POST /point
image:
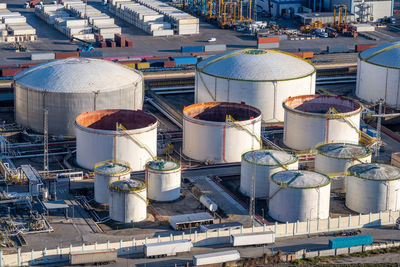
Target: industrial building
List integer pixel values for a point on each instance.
(378, 75)
(373, 187)
(217, 132)
(128, 201)
(364, 11)
(68, 87)
(163, 180)
(314, 119)
(257, 77)
(122, 135)
(261, 164)
(299, 196)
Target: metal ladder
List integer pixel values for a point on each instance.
(121, 128)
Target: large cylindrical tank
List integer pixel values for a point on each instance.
(106, 172)
(163, 180)
(264, 163)
(299, 195)
(68, 87)
(334, 159)
(97, 137)
(220, 131)
(378, 74)
(314, 119)
(373, 187)
(128, 201)
(259, 77)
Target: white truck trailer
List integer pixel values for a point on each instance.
(251, 239)
(169, 248)
(93, 256)
(216, 257)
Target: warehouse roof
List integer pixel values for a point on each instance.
(78, 75)
(256, 65)
(386, 55)
(300, 179)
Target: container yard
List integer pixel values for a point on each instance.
(148, 133)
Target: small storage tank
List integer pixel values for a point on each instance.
(106, 172)
(163, 180)
(98, 139)
(313, 119)
(299, 195)
(334, 159)
(264, 163)
(373, 187)
(128, 202)
(220, 131)
(208, 203)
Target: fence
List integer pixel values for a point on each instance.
(218, 236)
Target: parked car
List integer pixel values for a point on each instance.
(213, 39)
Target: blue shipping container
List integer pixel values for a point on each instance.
(352, 241)
(185, 60)
(372, 132)
(191, 49)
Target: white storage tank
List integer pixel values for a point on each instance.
(333, 159)
(163, 180)
(378, 74)
(210, 134)
(259, 77)
(264, 162)
(68, 87)
(106, 172)
(97, 137)
(128, 202)
(314, 119)
(299, 196)
(373, 187)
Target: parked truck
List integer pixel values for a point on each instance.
(252, 239)
(216, 257)
(169, 248)
(93, 256)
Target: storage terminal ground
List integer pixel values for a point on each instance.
(197, 147)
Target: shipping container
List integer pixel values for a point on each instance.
(299, 54)
(185, 60)
(351, 241)
(131, 65)
(169, 64)
(216, 257)
(169, 248)
(215, 48)
(128, 43)
(143, 65)
(267, 45)
(252, 239)
(362, 47)
(308, 54)
(337, 49)
(94, 54)
(10, 72)
(190, 49)
(43, 56)
(267, 40)
(60, 55)
(93, 256)
(103, 44)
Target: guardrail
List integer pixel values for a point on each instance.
(219, 236)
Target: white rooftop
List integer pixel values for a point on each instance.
(375, 171)
(300, 179)
(387, 55)
(269, 157)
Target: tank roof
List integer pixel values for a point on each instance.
(256, 65)
(112, 168)
(322, 105)
(300, 179)
(163, 165)
(375, 171)
(218, 111)
(343, 150)
(269, 157)
(78, 75)
(107, 119)
(386, 55)
(127, 186)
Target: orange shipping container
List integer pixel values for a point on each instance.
(61, 55)
(267, 40)
(308, 54)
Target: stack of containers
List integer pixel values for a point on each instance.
(142, 17)
(13, 27)
(268, 42)
(183, 23)
(49, 13)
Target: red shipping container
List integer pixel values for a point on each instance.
(7, 66)
(362, 47)
(129, 61)
(299, 54)
(27, 65)
(103, 44)
(159, 57)
(60, 55)
(169, 64)
(98, 37)
(10, 72)
(128, 43)
(113, 44)
(267, 40)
